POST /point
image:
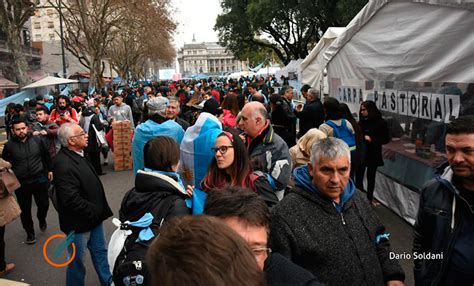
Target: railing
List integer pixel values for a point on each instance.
(25, 49)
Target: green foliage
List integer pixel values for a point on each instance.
(287, 27)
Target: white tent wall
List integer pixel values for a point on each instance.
(291, 67)
(311, 69)
(415, 59)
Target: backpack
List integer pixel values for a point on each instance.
(344, 133)
(131, 268)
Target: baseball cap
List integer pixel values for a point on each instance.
(157, 104)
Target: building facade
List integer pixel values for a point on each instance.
(208, 58)
(45, 23)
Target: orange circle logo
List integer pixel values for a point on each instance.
(64, 244)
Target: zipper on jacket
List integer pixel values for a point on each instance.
(342, 219)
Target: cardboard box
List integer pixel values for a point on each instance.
(123, 166)
(122, 148)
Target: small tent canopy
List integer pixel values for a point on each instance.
(290, 67)
(237, 75)
(7, 84)
(267, 70)
(49, 80)
(311, 69)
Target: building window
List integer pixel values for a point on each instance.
(194, 52)
(50, 24)
(51, 36)
(38, 38)
(233, 68)
(217, 69)
(38, 13)
(212, 69)
(26, 38)
(189, 52)
(36, 25)
(50, 12)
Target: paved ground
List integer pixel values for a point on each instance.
(32, 268)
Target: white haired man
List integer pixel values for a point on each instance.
(326, 226)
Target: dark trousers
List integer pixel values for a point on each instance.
(94, 159)
(371, 171)
(24, 196)
(2, 248)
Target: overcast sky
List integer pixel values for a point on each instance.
(195, 17)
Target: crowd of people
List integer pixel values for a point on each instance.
(234, 184)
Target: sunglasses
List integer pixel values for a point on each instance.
(222, 149)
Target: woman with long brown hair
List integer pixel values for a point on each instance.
(230, 166)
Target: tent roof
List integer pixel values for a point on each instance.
(373, 7)
(7, 84)
(49, 80)
(312, 67)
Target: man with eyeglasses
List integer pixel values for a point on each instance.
(82, 205)
(247, 214)
(32, 165)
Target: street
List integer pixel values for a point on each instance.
(32, 268)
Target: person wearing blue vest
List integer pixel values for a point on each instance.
(156, 125)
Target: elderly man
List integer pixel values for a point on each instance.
(329, 228)
(444, 228)
(268, 152)
(157, 124)
(82, 205)
(312, 114)
(172, 112)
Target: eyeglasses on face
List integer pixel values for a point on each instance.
(222, 149)
(78, 135)
(259, 251)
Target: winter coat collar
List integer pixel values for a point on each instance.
(172, 181)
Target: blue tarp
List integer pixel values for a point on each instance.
(18, 98)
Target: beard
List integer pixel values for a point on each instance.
(62, 107)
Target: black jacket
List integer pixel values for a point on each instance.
(279, 271)
(150, 190)
(311, 116)
(284, 122)
(378, 131)
(81, 197)
(30, 160)
(433, 232)
(92, 144)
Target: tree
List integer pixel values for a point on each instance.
(90, 26)
(13, 16)
(145, 35)
(288, 27)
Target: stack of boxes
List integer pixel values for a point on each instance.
(122, 145)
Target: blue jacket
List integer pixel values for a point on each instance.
(148, 130)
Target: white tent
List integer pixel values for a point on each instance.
(49, 80)
(311, 69)
(414, 59)
(267, 71)
(237, 75)
(291, 67)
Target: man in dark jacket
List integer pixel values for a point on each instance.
(443, 249)
(268, 153)
(328, 227)
(82, 205)
(31, 163)
(312, 114)
(247, 214)
(46, 129)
